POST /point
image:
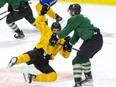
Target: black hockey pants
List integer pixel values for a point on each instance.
(39, 61)
(89, 48)
(16, 15)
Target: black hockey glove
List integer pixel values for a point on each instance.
(9, 8)
(47, 56)
(67, 39)
(58, 18)
(45, 8)
(67, 46)
(53, 40)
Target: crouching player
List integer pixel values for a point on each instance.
(44, 51)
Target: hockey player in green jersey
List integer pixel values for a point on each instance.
(18, 9)
(92, 42)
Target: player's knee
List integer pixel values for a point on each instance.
(76, 60)
(79, 60)
(8, 20)
(52, 76)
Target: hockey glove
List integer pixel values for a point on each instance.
(67, 39)
(53, 40)
(47, 56)
(58, 18)
(45, 8)
(67, 46)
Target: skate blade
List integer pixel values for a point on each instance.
(88, 84)
(25, 75)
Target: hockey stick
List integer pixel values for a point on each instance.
(3, 12)
(3, 17)
(72, 47)
(75, 49)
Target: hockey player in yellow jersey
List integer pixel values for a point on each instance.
(47, 4)
(46, 49)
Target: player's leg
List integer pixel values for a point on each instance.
(48, 74)
(28, 57)
(77, 71)
(10, 20)
(23, 58)
(87, 50)
(87, 72)
(29, 16)
(82, 57)
(80, 64)
(50, 77)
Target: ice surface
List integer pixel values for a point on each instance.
(103, 63)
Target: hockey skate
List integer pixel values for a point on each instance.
(88, 81)
(19, 35)
(29, 77)
(12, 62)
(77, 85)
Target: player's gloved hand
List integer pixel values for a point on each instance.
(45, 8)
(53, 40)
(9, 7)
(67, 46)
(58, 18)
(47, 56)
(67, 39)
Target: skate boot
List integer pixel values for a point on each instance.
(88, 79)
(19, 35)
(77, 85)
(29, 77)
(12, 62)
(58, 18)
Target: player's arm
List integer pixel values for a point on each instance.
(40, 23)
(67, 29)
(66, 47)
(41, 20)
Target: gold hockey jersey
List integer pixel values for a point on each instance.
(46, 33)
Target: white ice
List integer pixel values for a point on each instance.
(103, 63)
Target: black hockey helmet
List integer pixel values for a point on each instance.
(75, 8)
(56, 25)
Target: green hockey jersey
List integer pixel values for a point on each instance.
(14, 3)
(81, 26)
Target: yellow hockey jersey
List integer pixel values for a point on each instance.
(46, 33)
